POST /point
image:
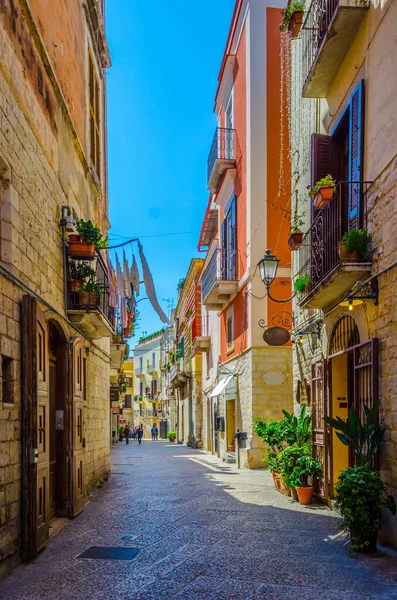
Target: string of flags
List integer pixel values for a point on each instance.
(124, 287)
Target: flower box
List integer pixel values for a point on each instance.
(295, 23)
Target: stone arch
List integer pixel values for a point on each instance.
(345, 334)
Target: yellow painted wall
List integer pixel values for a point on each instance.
(339, 396)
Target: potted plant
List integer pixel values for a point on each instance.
(354, 245)
(293, 18)
(89, 238)
(360, 496)
(296, 236)
(302, 284)
(89, 293)
(323, 192)
(121, 433)
(171, 435)
(301, 478)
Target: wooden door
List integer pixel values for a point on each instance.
(35, 428)
(77, 435)
(322, 440)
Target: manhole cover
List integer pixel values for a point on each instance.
(107, 553)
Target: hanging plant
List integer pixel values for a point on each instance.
(296, 235)
(293, 18)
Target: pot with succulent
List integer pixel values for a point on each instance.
(361, 493)
(296, 235)
(293, 18)
(301, 478)
(322, 192)
(171, 435)
(89, 238)
(302, 284)
(354, 245)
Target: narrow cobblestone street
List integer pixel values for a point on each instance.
(205, 530)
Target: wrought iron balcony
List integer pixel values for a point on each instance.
(139, 372)
(88, 297)
(221, 157)
(328, 32)
(220, 279)
(318, 256)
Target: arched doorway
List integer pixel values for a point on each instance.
(347, 377)
(58, 422)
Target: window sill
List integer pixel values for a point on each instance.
(229, 351)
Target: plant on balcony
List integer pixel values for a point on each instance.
(293, 18)
(354, 245)
(171, 435)
(323, 192)
(89, 293)
(301, 478)
(89, 238)
(78, 273)
(296, 235)
(302, 284)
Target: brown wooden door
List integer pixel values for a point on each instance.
(321, 394)
(77, 435)
(36, 426)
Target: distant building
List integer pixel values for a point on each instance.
(147, 382)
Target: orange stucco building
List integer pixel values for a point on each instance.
(247, 214)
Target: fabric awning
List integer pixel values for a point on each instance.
(218, 389)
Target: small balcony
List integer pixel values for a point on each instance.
(328, 33)
(220, 279)
(318, 257)
(221, 157)
(88, 297)
(177, 373)
(140, 372)
(151, 369)
(202, 343)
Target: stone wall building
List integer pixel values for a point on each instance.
(54, 366)
(147, 383)
(167, 401)
(247, 213)
(342, 117)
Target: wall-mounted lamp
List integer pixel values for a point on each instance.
(366, 291)
(297, 337)
(267, 266)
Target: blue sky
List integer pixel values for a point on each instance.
(161, 86)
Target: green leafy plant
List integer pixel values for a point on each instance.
(88, 232)
(287, 461)
(301, 283)
(305, 469)
(80, 271)
(298, 429)
(297, 222)
(90, 286)
(171, 435)
(272, 434)
(288, 12)
(327, 181)
(364, 438)
(360, 496)
(357, 239)
(121, 432)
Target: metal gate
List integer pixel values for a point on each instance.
(322, 439)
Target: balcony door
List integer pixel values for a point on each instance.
(229, 243)
(229, 125)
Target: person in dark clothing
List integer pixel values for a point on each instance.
(154, 433)
(139, 434)
(157, 433)
(127, 433)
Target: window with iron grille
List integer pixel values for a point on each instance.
(128, 401)
(94, 117)
(154, 388)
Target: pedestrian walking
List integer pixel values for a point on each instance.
(140, 434)
(153, 430)
(127, 433)
(134, 433)
(157, 433)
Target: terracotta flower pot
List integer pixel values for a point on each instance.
(74, 237)
(74, 285)
(172, 440)
(345, 255)
(305, 494)
(323, 197)
(295, 240)
(82, 250)
(230, 448)
(89, 298)
(295, 23)
(277, 480)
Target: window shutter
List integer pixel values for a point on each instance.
(321, 160)
(356, 134)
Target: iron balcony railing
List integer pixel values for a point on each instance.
(222, 266)
(318, 254)
(318, 19)
(94, 296)
(222, 148)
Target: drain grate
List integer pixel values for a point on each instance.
(107, 553)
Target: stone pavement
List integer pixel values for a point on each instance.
(206, 531)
